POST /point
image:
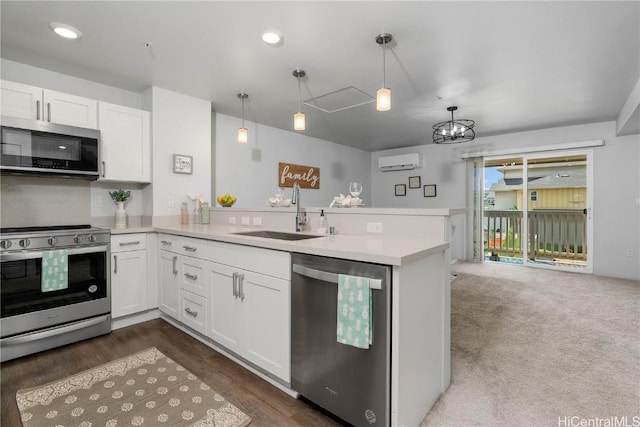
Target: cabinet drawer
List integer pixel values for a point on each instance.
(259, 260)
(128, 242)
(194, 275)
(193, 311)
(169, 242)
(193, 247)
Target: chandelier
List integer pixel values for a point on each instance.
(453, 131)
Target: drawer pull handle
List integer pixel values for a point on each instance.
(191, 313)
(190, 248)
(166, 242)
(191, 276)
(133, 242)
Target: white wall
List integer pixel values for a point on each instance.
(616, 213)
(180, 124)
(22, 73)
(250, 171)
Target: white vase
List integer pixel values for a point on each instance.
(121, 216)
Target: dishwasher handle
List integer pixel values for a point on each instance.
(326, 276)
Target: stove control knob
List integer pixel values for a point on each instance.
(24, 242)
(52, 240)
(77, 238)
(5, 244)
(92, 238)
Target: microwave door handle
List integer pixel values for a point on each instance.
(325, 276)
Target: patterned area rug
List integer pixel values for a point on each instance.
(144, 389)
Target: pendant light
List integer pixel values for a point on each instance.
(243, 133)
(383, 95)
(299, 120)
(453, 131)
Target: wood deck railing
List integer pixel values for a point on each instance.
(553, 234)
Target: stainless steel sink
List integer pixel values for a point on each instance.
(279, 235)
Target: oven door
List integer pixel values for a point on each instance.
(24, 305)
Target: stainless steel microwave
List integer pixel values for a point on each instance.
(35, 147)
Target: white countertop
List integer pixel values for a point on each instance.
(359, 248)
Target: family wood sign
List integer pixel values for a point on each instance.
(307, 176)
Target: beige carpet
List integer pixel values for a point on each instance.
(144, 389)
(534, 347)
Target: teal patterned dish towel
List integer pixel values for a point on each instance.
(55, 270)
(354, 311)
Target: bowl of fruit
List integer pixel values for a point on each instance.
(226, 201)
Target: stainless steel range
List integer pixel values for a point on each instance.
(54, 288)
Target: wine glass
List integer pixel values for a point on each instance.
(355, 188)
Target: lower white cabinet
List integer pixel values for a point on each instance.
(128, 274)
(193, 311)
(250, 314)
(168, 283)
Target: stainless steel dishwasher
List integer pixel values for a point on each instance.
(351, 383)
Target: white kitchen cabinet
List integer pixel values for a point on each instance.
(168, 283)
(31, 102)
(250, 311)
(125, 143)
(193, 311)
(128, 274)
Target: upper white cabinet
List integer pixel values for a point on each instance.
(125, 143)
(31, 102)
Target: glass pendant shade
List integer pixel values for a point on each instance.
(299, 121)
(243, 135)
(243, 132)
(383, 99)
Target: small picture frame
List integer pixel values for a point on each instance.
(414, 182)
(401, 189)
(182, 164)
(430, 190)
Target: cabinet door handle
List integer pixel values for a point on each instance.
(191, 276)
(241, 286)
(115, 264)
(104, 168)
(48, 111)
(133, 242)
(38, 110)
(235, 283)
(190, 312)
(175, 260)
(190, 248)
(166, 242)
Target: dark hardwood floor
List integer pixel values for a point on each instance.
(264, 403)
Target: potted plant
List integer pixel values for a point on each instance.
(120, 197)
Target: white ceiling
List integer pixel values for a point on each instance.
(510, 66)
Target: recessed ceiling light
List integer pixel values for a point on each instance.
(66, 31)
(271, 38)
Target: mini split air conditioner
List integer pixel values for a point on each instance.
(400, 162)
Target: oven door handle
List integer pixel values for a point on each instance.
(18, 256)
(51, 332)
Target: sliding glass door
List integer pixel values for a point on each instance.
(536, 210)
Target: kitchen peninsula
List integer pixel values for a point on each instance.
(198, 265)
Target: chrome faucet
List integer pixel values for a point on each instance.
(301, 217)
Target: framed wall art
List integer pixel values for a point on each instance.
(430, 190)
(182, 164)
(414, 182)
(401, 189)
